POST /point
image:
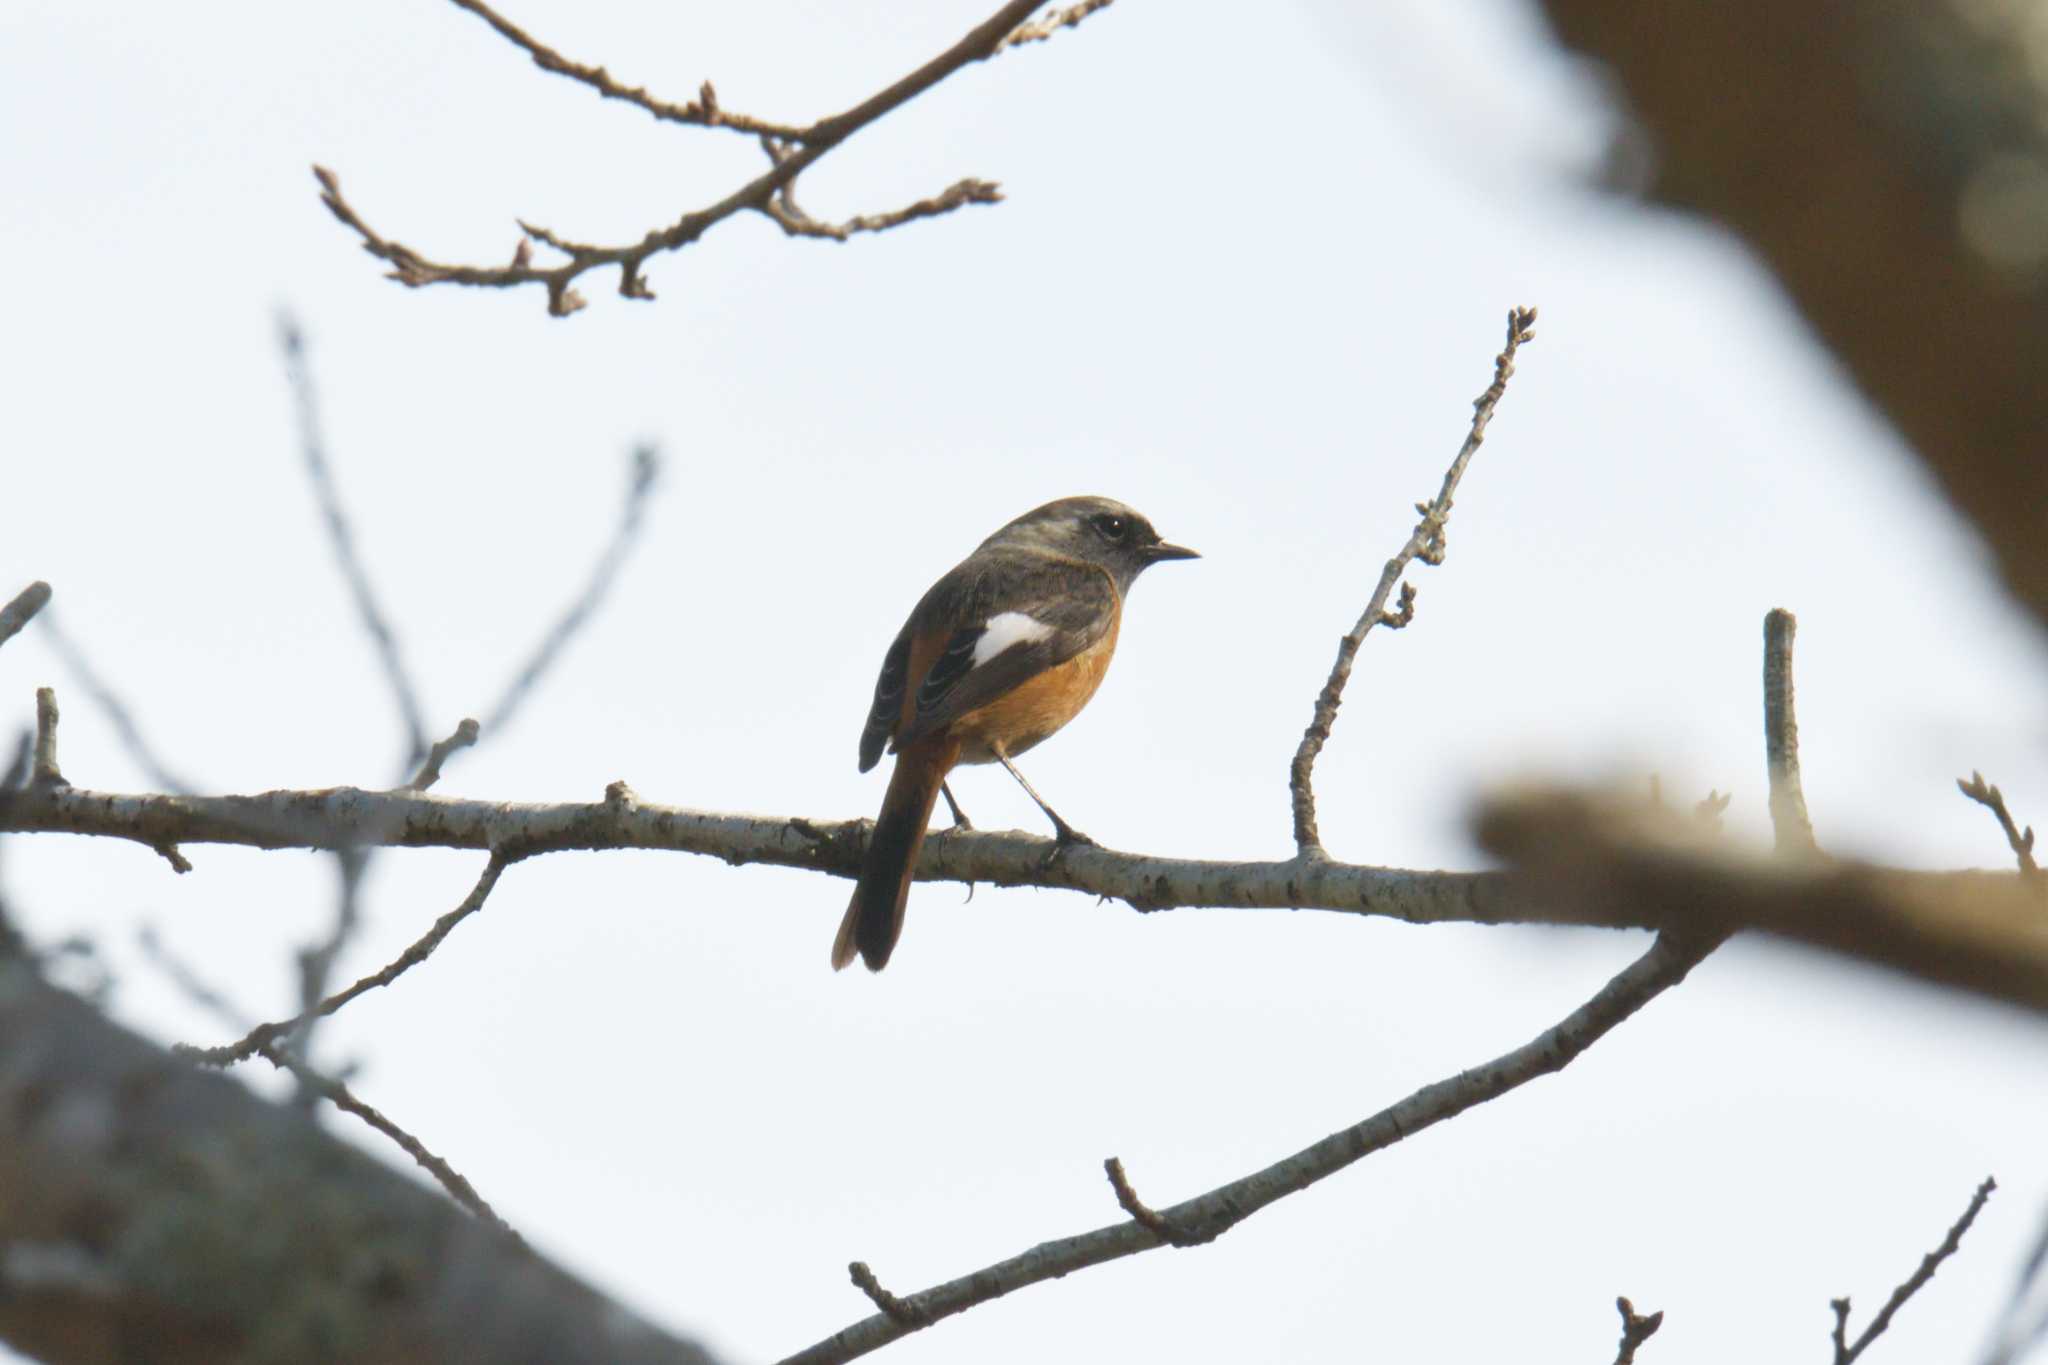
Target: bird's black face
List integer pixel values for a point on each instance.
(1099, 530)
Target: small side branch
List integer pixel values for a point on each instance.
(263, 1035)
(1635, 1330)
(896, 1309)
(1427, 544)
(23, 609)
(341, 1097)
(1846, 1352)
(43, 772)
(1794, 831)
(1145, 1216)
(1993, 800)
(465, 735)
(1038, 30)
(702, 112)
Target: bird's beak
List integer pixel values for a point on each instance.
(1165, 551)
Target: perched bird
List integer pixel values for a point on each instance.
(999, 654)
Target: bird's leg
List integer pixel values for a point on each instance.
(960, 820)
(1064, 834)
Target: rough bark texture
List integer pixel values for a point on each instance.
(151, 1211)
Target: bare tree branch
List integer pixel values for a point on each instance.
(1426, 544)
(1209, 1215)
(1635, 1330)
(43, 773)
(1993, 800)
(23, 609)
(1845, 1352)
(1038, 30)
(805, 146)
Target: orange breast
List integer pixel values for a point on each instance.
(1036, 707)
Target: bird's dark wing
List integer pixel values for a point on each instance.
(1016, 617)
(887, 711)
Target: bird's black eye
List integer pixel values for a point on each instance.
(1111, 526)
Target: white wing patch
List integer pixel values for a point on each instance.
(1004, 630)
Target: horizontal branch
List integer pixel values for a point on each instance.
(348, 817)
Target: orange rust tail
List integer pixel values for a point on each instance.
(874, 917)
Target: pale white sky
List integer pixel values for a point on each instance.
(1253, 267)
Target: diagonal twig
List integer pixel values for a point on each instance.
(113, 708)
(263, 1035)
(22, 609)
(341, 1097)
(1846, 1352)
(1635, 1330)
(644, 472)
(1426, 543)
(1209, 1215)
(341, 535)
(1993, 800)
(702, 112)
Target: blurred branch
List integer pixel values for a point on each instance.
(1790, 824)
(116, 711)
(801, 148)
(156, 1211)
(23, 609)
(1635, 1330)
(1597, 857)
(341, 535)
(1846, 1353)
(1209, 1215)
(1426, 544)
(1993, 800)
(644, 471)
(1889, 162)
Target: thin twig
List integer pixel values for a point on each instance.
(23, 609)
(1845, 1353)
(702, 112)
(1038, 30)
(1426, 543)
(783, 210)
(806, 146)
(1789, 821)
(43, 772)
(465, 735)
(644, 471)
(188, 981)
(263, 1035)
(343, 1098)
(1993, 800)
(1208, 1215)
(341, 535)
(1635, 1330)
(1143, 1214)
(898, 1311)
